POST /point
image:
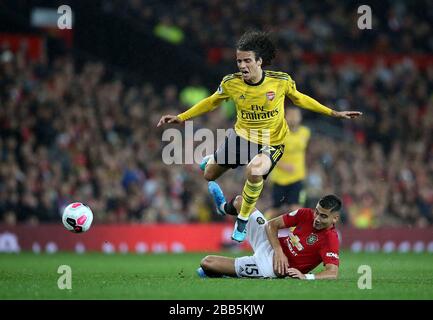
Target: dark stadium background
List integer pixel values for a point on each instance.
(79, 108)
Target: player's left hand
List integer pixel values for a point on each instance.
(347, 114)
(295, 273)
(168, 119)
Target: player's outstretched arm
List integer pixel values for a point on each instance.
(306, 102)
(330, 272)
(204, 106)
(280, 261)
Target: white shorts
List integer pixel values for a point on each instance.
(259, 265)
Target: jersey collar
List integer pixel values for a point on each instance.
(258, 83)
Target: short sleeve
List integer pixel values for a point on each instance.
(330, 250)
(222, 91)
(290, 87)
(293, 218)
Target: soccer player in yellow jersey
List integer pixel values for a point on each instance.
(260, 128)
(289, 173)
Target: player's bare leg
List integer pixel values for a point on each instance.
(212, 170)
(237, 203)
(218, 266)
(256, 169)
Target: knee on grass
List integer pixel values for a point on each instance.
(208, 263)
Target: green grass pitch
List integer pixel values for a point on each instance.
(172, 276)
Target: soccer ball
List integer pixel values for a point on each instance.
(77, 217)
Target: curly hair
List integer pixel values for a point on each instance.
(260, 43)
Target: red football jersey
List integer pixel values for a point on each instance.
(307, 247)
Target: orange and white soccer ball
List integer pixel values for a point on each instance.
(77, 217)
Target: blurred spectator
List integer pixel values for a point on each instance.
(193, 93)
(169, 32)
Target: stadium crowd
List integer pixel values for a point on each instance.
(69, 135)
(80, 134)
(214, 26)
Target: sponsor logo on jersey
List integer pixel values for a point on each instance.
(289, 245)
(242, 97)
(312, 239)
(295, 242)
(270, 95)
(332, 255)
(260, 220)
(267, 149)
(246, 115)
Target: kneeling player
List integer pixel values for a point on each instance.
(278, 250)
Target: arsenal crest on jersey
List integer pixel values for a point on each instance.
(312, 239)
(270, 95)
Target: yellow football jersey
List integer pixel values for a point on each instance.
(294, 155)
(260, 106)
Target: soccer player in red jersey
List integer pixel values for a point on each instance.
(290, 245)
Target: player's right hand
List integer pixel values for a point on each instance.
(281, 264)
(346, 114)
(168, 119)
